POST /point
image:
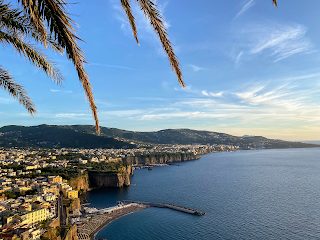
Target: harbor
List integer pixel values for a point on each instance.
(99, 218)
(165, 205)
(96, 220)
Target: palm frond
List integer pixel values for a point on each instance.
(60, 26)
(156, 20)
(275, 3)
(31, 10)
(13, 19)
(16, 90)
(34, 55)
(127, 9)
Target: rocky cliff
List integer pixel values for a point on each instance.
(72, 233)
(71, 204)
(80, 183)
(161, 158)
(116, 179)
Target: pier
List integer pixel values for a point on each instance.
(166, 205)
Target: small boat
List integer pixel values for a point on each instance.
(150, 168)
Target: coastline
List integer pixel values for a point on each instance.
(105, 219)
(119, 213)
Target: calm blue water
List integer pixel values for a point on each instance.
(262, 194)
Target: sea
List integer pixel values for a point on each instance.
(255, 194)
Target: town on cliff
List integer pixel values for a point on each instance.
(40, 188)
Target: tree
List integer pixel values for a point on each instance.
(47, 23)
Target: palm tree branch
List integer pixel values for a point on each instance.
(13, 19)
(34, 55)
(275, 2)
(16, 90)
(60, 26)
(156, 20)
(127, 9)
(36, 21)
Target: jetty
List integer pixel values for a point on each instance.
(165, 205)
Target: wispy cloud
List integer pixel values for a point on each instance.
(69, 115)
(219, 94)
(57, 90)
(6, 100)
(245, 8)
(196, 68)
(205, 93)
(238, 58)
(111, 66)
(279, 41)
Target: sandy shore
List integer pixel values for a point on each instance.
(105, 219)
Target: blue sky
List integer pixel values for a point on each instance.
(249, 68)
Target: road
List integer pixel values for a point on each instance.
(62, 214)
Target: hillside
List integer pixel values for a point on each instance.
(83, 136)
(53, 136)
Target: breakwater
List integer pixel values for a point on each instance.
(165, 205)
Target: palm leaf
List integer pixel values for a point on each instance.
(35, 20)
(13, 20)
(34, 55)
(127, 9)
(60, 26)
(275, 2)
(16, 90)
(156, 20)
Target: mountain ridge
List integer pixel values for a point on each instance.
(84, 136)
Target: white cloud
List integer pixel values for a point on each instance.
(196, 68)
(188, 115)
(122, 113)
(111, 66)
(245, 8)
(272, 41)
(205, 93)
(57, 90)
(69, 115)
(219, 94)
(279, 41)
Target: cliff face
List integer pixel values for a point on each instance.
(118, 179)
(161, 159)
(51, 234)
(71, 204)
(72, 233)
(81, 182)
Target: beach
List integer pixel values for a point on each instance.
(89, 229)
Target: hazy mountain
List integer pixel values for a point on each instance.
(84, 136)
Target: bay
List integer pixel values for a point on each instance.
(260, 194)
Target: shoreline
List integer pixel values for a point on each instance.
(98, 221)
(94, 234)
